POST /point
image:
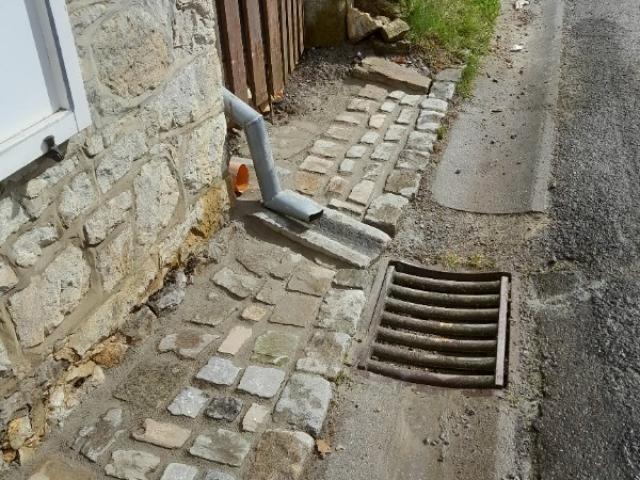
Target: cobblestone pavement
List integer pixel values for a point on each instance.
(236, 380)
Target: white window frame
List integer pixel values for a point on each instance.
(74, 116)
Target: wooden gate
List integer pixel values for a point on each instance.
(261, 43)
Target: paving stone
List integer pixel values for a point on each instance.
(357, 151)
(380, 70)
(370, 137)
(309, 183)
(164, 435)
(263, 382)
(377, 121)
(222, 308)
(150, 383)
(373, 92)
(407, 116)
(384, 152)
(421, 141)
(397, 95)
(340, 132)
(237, 284)
(325, 354)
(347, 166)
(316, 164)
(429, 122)
(255, 418)
(218, 475)
(275, 347)
(327, 148)
(403, 182)
(388, 107)
(56, 469)
(288, 263)
(341, 309)
(189, 402)
(372, 171)
(224, 408)
(259, 257)
(310, 279)
(179, 471)
(413, 160)
(281, 455)
(304, 402)
(221, 446)
(219, 371)
(187, 343)
(235, 340)
(271, 292)
(351, 278)
(295, 309)
(352, 118)
(362, 192)
(361, 105)
(450, 75)
(348, 207)
(96, 440)
(443, 90)
(131, 464)
(385, 211)
(395, 133)
(338, 186)
(255, 313)
(411, 100)
(434, 104)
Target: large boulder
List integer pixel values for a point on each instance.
(325, 22)
(387, 8)
(361, 24)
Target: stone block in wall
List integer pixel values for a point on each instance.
(194, 27)
(28, 247)
(106, 218)
(85, 16)
(114, 259)
(12, 217)
(8, 278)
(77, 198)
(43, 305)
(191, 94)
(38, 192)
(118, 160)
(157, 196)
(200, 154)
(132, 52)
(100, 324)
(5, 363)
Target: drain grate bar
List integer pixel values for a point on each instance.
(439, 328)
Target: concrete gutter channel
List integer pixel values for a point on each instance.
(376, 427)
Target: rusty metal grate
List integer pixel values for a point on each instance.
(438, 328)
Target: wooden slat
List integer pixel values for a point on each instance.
(232, 47)
(291, 35)
(255, 51)
(285, 39)
(300, 28)
(274, 47)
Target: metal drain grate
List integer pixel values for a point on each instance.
(437, 328)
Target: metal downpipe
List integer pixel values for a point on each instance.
(274, 198)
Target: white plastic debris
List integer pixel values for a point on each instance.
(517, 48)
(520, 4)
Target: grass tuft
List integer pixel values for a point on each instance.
(453, 31)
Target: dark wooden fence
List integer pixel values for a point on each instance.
(261, 43)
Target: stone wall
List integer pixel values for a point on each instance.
(85, 241)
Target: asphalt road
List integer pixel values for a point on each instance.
(590, 423)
